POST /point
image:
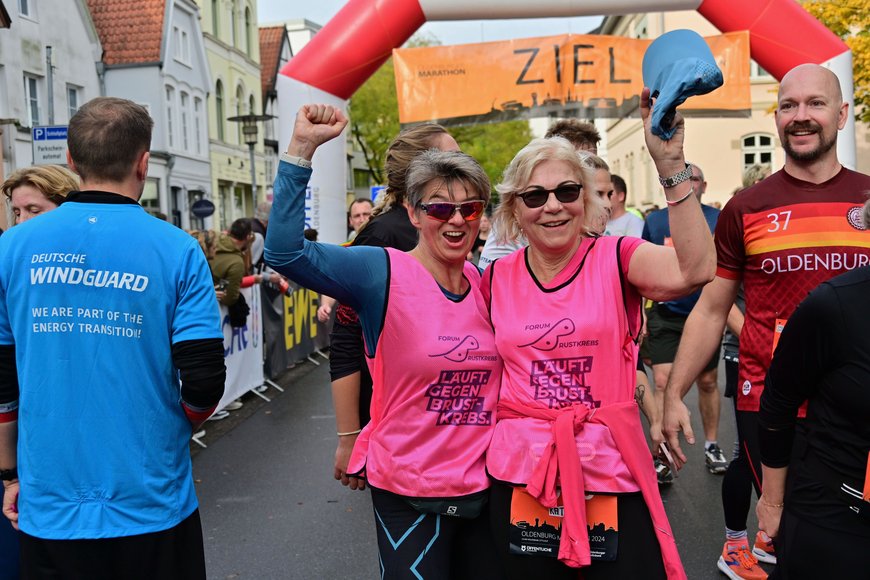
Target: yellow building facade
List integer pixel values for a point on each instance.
(233, 53)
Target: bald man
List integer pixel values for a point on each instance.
(781, 238)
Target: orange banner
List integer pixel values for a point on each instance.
(569, 75)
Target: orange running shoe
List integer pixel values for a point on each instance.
(738, 563)
(763, 548)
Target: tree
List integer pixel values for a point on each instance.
(850, 20)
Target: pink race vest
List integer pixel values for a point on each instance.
(435, 382)
(564, 345)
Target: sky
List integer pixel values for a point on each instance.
(453, 32)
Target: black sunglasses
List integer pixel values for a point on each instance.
(538, 196)
(443, 210)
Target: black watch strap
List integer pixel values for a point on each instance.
(9, 474)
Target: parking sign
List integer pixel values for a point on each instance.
(49, 145)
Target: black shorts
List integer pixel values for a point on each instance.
(412, 544)
(665, 329)
(176, 553)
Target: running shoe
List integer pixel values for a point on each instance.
(663, 472)
(763, 548)
(715, 459)
(738, 563)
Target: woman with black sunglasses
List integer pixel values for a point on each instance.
(430, 348)
(574, 481)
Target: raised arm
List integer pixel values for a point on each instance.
(355, 276)
(662, 273)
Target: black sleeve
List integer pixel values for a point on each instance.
(202, 369)
(8, 374)
(805, 352)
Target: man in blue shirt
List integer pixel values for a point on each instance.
(111, 353)
(665, 326)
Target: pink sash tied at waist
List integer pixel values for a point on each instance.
(560, 460)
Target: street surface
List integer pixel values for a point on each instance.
(272, 510)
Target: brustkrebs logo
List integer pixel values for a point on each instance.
(459, 352)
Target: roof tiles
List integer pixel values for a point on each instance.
(130, 30)
(270, 52)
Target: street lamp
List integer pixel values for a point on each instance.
(249, 133)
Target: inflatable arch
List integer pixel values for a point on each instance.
(361, 37)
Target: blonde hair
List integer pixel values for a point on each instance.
(207, 242)
(54, 181)
(518, 172)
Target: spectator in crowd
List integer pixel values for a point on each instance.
(754, 174)
(422, 453)
(819, 521)
(566, 315)
(129, 299)
(259, 224)
(228, 263)
(359, 213)
(622, 222)
(788, 218)
(482, 236)
(665, 327)
(35, 190)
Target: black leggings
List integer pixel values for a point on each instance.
(744, 472)
(638, 554)
(412, 545)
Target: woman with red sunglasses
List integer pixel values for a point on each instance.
(568, 450)
(430, 349)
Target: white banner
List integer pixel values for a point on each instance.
(243, 350)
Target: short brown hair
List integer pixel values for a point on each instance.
(106, 136)
(53, 181)
(576, 132)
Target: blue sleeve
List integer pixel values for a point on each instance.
(197, 314)
(645, 234)
(355, 276)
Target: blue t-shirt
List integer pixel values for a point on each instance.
(93, 295)
(657, 229)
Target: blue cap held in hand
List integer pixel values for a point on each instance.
(676, 66)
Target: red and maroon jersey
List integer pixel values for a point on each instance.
(784, 237)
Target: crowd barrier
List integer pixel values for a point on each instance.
(281, 330)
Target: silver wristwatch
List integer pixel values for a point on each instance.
(674, 180)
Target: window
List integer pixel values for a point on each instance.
(170, 98)
(197, 125)
(252, 105)
(240, 99)
(234, 34)
(758, 73)
(150, 199)
(31, 99)
(215, 17)
(24, 7)
(72, 100)
(219, 109)
(185, 103)
(248, 31)
(758, 149)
